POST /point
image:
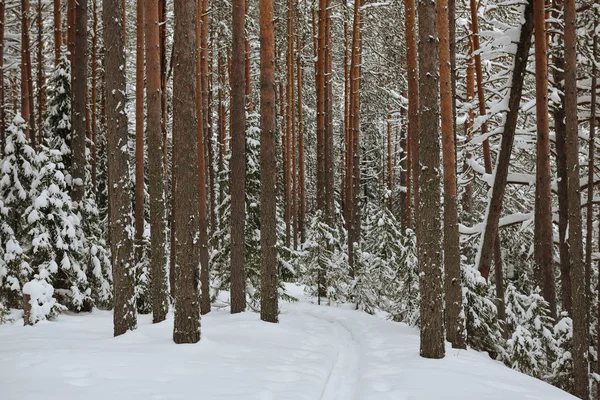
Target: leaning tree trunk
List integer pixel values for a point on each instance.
(578, 289)
(158, 226)
(78, 111)
(238, 158)
(121, 244)
(495, 206)
(268, 166)
(429, 231)
(185, 195)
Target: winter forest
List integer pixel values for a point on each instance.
(405, 190)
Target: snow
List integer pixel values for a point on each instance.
(315, 352)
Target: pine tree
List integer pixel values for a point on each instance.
(18, 168)
(55, 232)
(57, 125)
(322, 261)
(529, 320)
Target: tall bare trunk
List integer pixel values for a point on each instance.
(157, 193)
(578, 287)
(202, 127)
(78, 111)
(561, 168)
(94, 99)
(57, 32)
(413, 107)
(455, 323)
(238, 158)
(301, 167)
(26, 93)
(185, 156)
(543, 235)
(430, 234)
(41, 80)
(139, 128)
(268, 163)
(2, 104)
(121, 244)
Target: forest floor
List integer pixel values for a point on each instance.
(314, 353)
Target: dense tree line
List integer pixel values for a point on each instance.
(431, 160)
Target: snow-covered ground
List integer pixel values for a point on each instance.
(314, 353)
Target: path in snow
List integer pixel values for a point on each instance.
(314, 353)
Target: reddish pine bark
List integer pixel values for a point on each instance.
(454, 320)
(268, 163)
(139, 130)
(413, 108)
(543, 234)
(202, 111)
(578, 286)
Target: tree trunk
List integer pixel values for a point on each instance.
(268, 166)
(41, 81)
(202, 128)
(57, 32)
(561, 168)
(238, 158)
(157, 193)
(389, 162)
(94, 99)
(71, 11)
(353, 171)
(301, 167)
(413, 108)
(162, 10)
(291, 94)
(222, 115)
(467, 200)
(2, 105)
(501, 173)
(121, 244)
(139, 128)
(578, 289)
(543, 234)
(185, 155)
(429, 231)
(455, 323)
(487, 158)
(26, 93)
(590, 187)
(329, 159)
(321, 117)
(80, 74)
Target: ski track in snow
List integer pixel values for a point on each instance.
(314, 353)
(342, 378)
